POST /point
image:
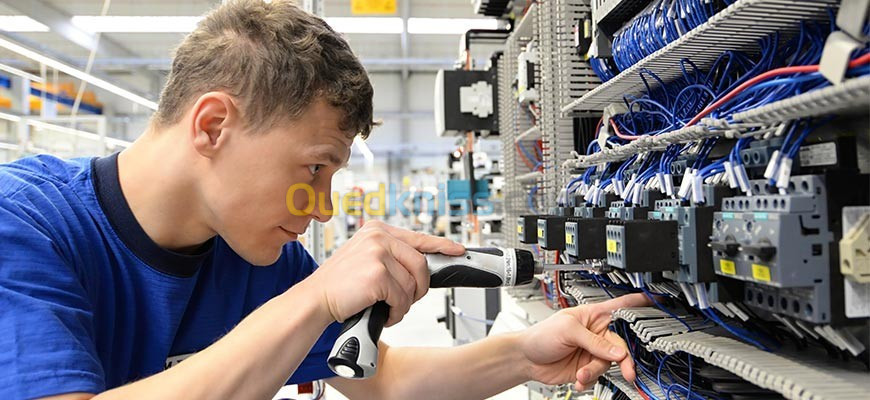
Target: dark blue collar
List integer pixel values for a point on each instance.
(108, 188)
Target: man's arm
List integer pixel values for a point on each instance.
(252, 361)
(474, 371)
(257, 357)
(573, 345)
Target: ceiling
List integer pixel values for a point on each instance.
(139, 61)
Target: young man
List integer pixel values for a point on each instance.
(114, 270)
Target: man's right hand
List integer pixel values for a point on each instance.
(380, 262)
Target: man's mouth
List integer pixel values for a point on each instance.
(291, 234)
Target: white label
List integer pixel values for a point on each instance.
(857, 299)
(818, 154)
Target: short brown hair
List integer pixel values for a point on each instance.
(276, 58)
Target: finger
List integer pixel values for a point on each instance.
(626, 365)
(426, 243)
(414, 263)
(597, 345)
(631, 300)
(590, 372)
(398, 299)
(402, 276)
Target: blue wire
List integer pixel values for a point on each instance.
(734, 331)
(661, 307)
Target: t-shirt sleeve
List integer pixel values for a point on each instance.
(46, 323)
(314, 366)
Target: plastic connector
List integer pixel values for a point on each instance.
(855, 252)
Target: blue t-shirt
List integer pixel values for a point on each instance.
(89, 302)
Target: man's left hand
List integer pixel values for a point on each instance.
(574, 345)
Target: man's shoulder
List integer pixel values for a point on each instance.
(40, 174)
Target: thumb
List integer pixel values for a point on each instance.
(596, 345)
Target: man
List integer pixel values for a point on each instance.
(171, 270)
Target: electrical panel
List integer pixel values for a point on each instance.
(713, 155)
(464, 101)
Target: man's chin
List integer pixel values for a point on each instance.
(264, 258)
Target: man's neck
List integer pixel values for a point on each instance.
(158, 182)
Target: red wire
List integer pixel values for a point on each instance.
(769, 74)
(562, 301)
(642, 394)
(523, 156)
(619, 134)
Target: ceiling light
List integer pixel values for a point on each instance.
(23, 74)
(9, 117)
(21, 23)
(136, 24)
(448, 26)
(75, 73)
(387, 25)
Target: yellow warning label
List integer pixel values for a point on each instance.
(519, 229)
(727, 267)
(569, 239)
(761, 272)
(611, 245)
(540, 232)
(369, 7)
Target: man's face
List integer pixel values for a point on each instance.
(246, 190)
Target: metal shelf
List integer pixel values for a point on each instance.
(738, 27)
(853, 94)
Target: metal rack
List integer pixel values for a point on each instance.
(513, 122)
(853, 94)
(563, 76)
(738, 27)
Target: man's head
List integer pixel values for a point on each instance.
(266, 96)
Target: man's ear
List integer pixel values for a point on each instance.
(215, 115)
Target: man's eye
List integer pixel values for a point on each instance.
(314, 168)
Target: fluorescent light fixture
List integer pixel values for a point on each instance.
(375, 25)
(448, 26)
(18, 72)
(62, 129)
(8, 146)
(185, 24)
(76, 132)
(9, 117)
(136, 24)
(21, 23)
(384, 25)
(75, 73)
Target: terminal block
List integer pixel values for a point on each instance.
(527, 229)
(551, 232)
(642, 245)
(590, 212)
(562, 211)
(855, 251)
(694, 227)
(812, 303)
(585, 238)
(759, 152)
(619, 211)
(603, 201)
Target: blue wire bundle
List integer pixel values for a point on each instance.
(662, 22)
